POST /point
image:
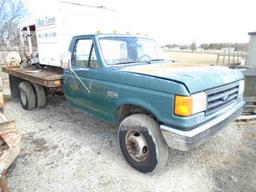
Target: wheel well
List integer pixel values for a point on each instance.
(128, 109)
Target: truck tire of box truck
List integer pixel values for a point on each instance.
(27, 96)
(41, 98)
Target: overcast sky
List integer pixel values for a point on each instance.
(181, 21)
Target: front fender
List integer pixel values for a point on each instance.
(156, 103)
(139, 103)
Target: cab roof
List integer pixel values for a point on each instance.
(111, 34)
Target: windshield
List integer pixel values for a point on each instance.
(119, 50)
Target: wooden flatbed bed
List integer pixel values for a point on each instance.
(46, 78)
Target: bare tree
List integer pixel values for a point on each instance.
(11, 13)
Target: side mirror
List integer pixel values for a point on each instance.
(66, 60)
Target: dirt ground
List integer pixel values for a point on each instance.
(66, 150)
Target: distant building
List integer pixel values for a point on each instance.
(171, 48)
(175, 48)
(251, 58)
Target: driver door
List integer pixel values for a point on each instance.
(77, 82)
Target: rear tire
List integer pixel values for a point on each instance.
(40, 95)
(27, 96)
(142, 143)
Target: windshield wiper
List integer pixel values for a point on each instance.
(147, 61)
(153, 60)
(126, 62)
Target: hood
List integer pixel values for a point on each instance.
(195, 77)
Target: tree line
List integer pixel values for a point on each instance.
(209, 46)
(236, 46)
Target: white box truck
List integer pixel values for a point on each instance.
(49, 34)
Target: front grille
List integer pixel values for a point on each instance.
(219, 98)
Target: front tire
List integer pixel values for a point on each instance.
(27, 96)
(142, 143)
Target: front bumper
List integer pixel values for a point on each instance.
(185, 140)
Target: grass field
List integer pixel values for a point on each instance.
(193, 58)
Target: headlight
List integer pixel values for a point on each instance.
(241, 88)
(189, 105)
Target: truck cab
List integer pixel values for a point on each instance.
(126, 79)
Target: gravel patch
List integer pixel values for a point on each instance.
(67, 150)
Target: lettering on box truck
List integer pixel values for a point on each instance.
(47, 21)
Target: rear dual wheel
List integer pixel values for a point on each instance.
(32, 96)
(40, 95)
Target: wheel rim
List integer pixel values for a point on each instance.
(23, 97)
(136, 145)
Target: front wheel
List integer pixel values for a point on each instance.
(142, 143)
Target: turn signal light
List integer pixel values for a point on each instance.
(183, 106)
(190, 105)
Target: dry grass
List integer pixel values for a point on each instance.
(193, 58)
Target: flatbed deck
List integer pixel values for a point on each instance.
(45, 78)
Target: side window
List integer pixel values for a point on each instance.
(84, 55)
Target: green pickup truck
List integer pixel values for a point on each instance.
(127, 80)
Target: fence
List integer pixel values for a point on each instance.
(230, 58)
